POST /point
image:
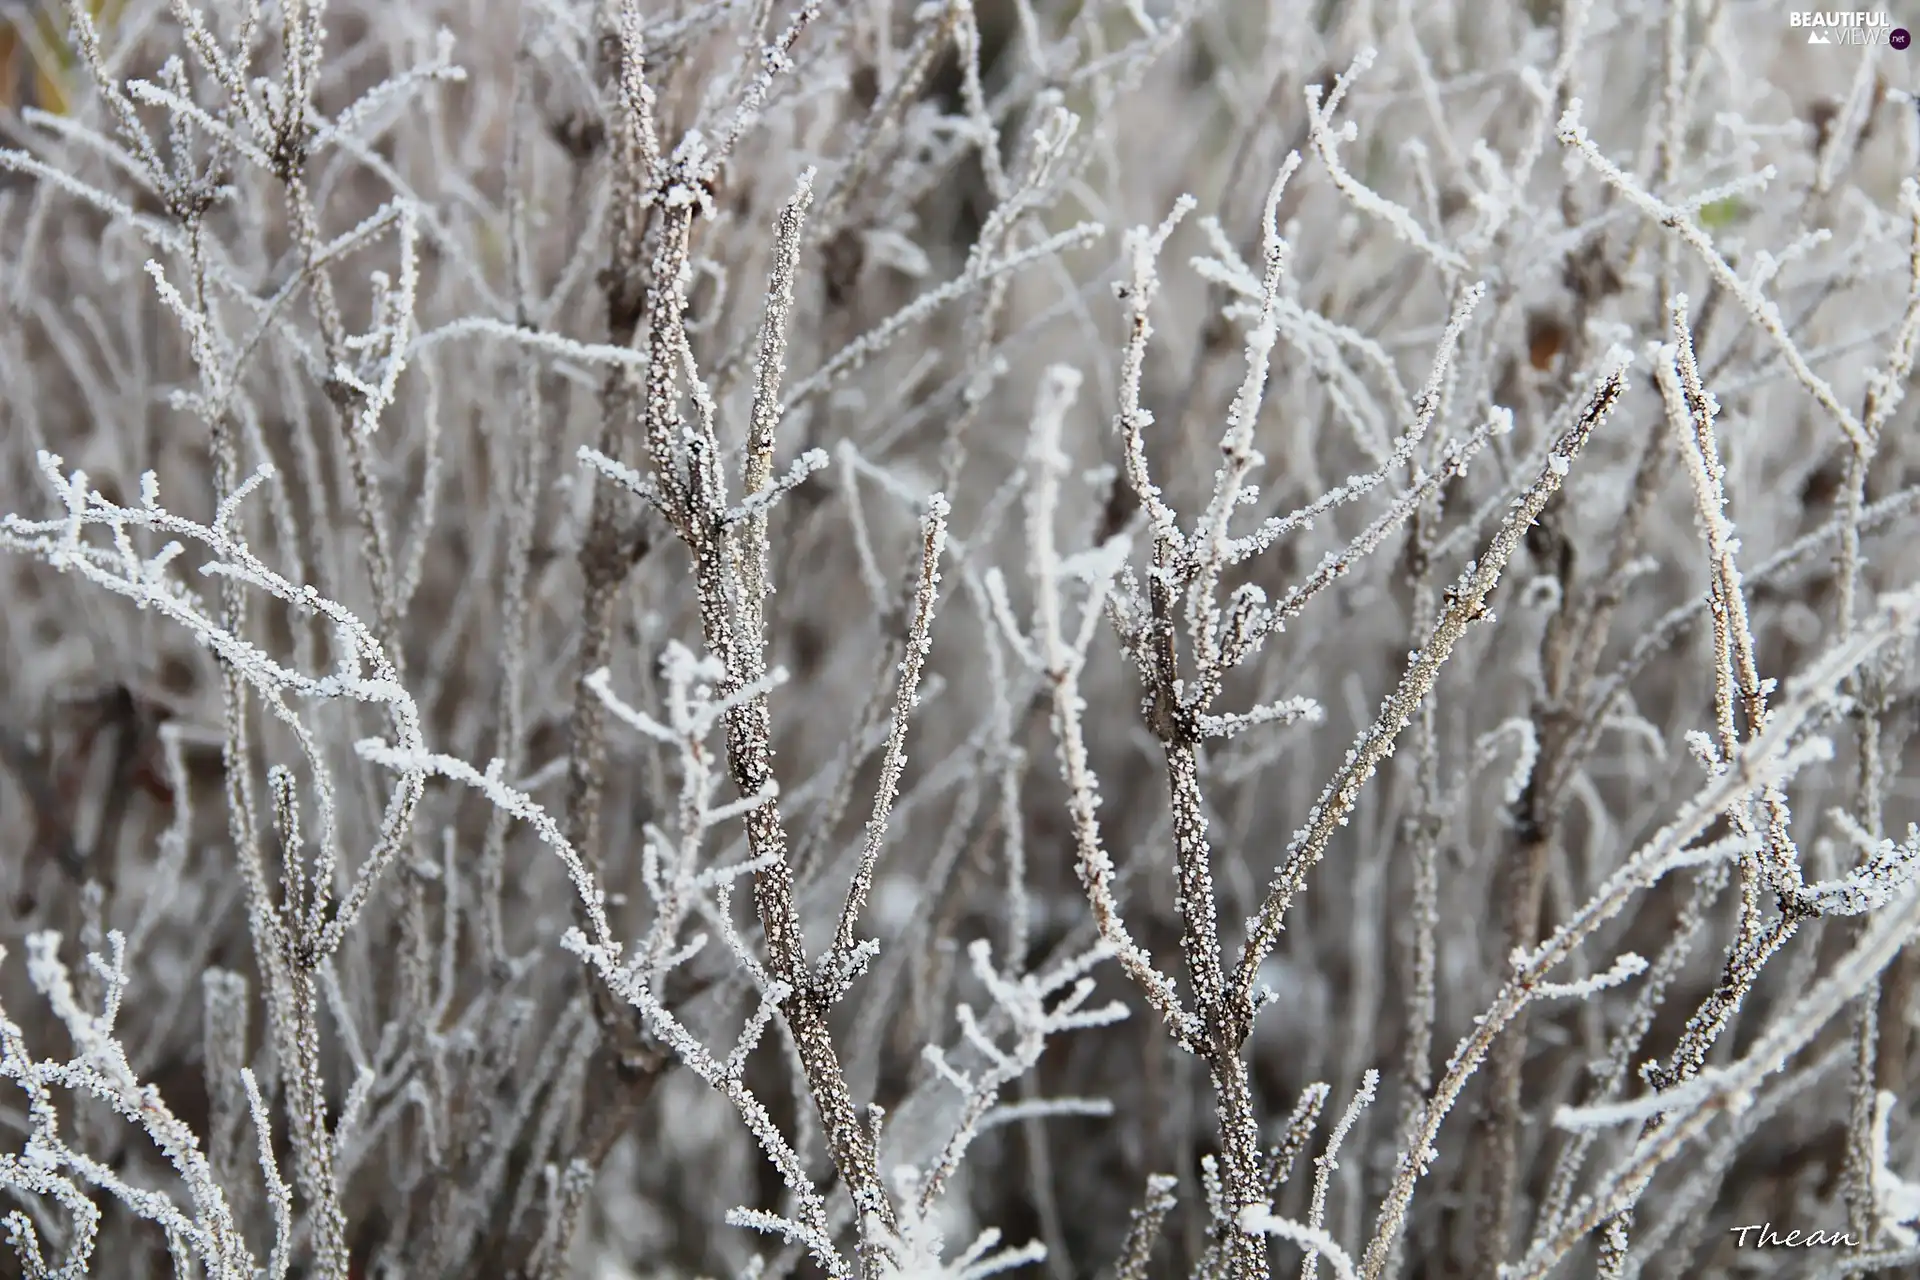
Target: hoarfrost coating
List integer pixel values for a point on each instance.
(668, 639)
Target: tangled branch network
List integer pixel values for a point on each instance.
(921, 641)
